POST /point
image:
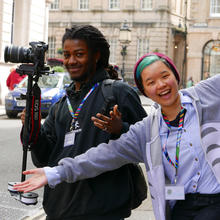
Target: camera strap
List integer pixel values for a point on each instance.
(35, 114)
(29, 136)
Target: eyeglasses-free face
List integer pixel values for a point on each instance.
(160, 84)
(77, 61)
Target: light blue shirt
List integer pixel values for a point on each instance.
(193, 172)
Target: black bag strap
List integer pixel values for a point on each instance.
(109, 98)
(57, 105)
(137, 177)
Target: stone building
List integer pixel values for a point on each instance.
(203, 57)
(156, 25)
(21, 21)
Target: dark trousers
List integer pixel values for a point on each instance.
(88, 219)
(197, 207)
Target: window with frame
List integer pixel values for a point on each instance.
(215, 8)
(146, 4)
(55, 5)
(113, 46)
(114, 4)
(83, 4)
(51, 47)
(142, 47)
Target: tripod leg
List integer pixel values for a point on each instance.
(24, 162)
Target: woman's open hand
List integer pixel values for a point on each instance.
(36, 181)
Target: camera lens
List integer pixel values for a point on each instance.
(16, 54)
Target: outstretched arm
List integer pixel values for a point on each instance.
(105, 157)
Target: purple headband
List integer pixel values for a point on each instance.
(172, 65)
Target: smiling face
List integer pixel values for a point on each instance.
(160, 84)
(76, 60)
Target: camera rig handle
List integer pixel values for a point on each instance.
(32, 120)
(32, 123)
(34, 67)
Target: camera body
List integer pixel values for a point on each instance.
(34, 54)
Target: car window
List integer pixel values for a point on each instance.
(46, 81)
(66, 80)
(49, 81)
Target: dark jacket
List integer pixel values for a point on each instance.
(107, 196)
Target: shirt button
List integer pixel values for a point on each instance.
(198, 173)
(191, 144)
(194, 186)
(196, 159)
(184, 130)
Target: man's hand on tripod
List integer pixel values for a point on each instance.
(37, 180)
(23, 116)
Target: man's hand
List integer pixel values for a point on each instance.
(37, 180)
(23, 116)
(112, 124)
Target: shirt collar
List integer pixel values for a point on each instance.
(185, 99)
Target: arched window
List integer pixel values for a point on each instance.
(210, 59)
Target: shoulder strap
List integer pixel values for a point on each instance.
(107, 91)
(109, 99)
(57, 105)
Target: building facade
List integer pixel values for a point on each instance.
(156, 25)
(203, 39)
(21, 21)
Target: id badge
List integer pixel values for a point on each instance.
(69, 138)
(174, 192)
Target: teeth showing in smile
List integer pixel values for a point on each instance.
(164, 93)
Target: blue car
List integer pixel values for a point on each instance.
(52, 89)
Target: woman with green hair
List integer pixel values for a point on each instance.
(178, 143)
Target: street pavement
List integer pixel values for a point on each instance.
(143, 212)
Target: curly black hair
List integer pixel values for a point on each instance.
(94, 39)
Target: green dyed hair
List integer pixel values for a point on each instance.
(144, 63)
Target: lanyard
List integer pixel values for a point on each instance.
(76, 114)
(179, 134)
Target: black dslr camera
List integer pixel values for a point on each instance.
(35, 54)
(34, 67)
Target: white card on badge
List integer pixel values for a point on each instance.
(174, 192)
(69, 138)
